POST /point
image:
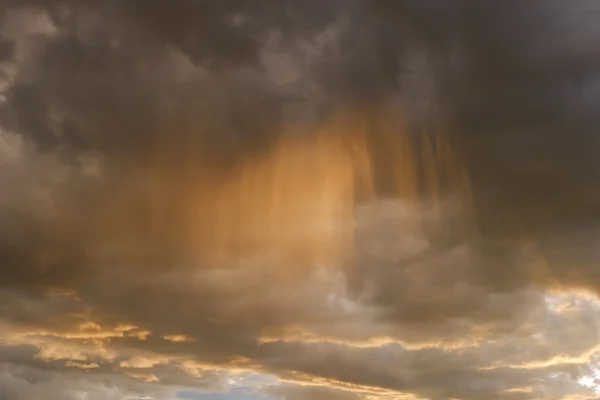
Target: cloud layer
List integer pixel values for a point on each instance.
(358, 200)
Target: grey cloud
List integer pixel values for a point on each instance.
(20, 383)
(25, 375)
(148, 91)
(119, 72)
(7, 49)
(514, 86)
(429, 373)
(292, 392)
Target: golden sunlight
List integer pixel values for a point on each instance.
(297, 202)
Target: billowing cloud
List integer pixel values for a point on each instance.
(357, 200)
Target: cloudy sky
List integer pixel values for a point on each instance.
(299, 199)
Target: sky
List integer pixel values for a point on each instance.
(299, 200)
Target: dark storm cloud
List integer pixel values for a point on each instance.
(123, 82)
(532, 151)
(530, 142)
(7, 49)
(144, 88)
(99, 83)
(515, 86)
(93, 74)
(513, 79)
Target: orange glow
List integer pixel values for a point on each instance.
(293, 203)
(297, 202)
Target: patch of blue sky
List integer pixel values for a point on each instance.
(241, 387)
